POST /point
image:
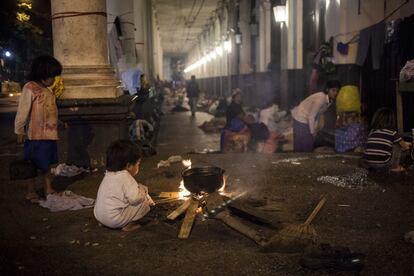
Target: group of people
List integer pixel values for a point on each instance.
(384, 150)
(121, 201)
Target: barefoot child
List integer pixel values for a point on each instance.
(37, 120)
(121, 201)
(385, 149)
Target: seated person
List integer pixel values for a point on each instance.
(121, 201)
(385, 149)
(236, 134)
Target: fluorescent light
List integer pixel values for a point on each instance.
(219, 50)
(280, 13)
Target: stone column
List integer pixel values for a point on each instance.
(90, 106)
(80, 44)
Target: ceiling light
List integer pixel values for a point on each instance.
(280, 13)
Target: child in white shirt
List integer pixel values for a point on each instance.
(121, 201)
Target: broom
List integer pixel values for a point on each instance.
(294, 238)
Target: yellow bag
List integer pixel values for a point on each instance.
(57, 86)
(348, 99)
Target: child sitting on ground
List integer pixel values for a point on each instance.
(385, 149)
(121, 201)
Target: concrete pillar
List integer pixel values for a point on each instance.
(80, 44)
(245, 57)
(264, 35)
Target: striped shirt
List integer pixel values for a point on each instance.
(379, 146)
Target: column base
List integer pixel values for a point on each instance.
(90, 82)
(91, 125)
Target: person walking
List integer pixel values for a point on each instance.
(192, 93)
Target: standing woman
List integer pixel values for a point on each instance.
(36, 122)
(306, 115)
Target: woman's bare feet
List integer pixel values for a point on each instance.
(132, 226)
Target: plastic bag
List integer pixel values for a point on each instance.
(348, 100)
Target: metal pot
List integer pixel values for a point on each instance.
(203, 179)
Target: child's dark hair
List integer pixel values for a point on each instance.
(384, 118)
(332, 84)
(121, 153)
(44, 67)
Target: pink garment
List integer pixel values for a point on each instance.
(37, 107)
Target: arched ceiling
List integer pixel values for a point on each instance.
(180, 22)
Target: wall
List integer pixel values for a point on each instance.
(343, 21)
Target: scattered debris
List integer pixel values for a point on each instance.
(357, 180)
(169, 161)
(95, 244)
(33, 237)
(45, 219)
(290, 160)
(163, 163)
(175, 158)
(344, 205)
(72, 241)
(87, 243)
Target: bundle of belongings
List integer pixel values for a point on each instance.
(407, 72)
(180, 101)
(350, 132)
(280, 130)
(215, 125)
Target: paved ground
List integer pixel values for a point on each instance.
(368, 213)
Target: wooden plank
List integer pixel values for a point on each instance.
(166, 200)
(252, 214)
(169, 194)
(188, 219)
(240, 227)
(174, 214)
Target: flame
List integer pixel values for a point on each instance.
(183, 193)
(221, 190)
(186, 163)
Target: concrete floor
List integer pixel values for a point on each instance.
(368, 213)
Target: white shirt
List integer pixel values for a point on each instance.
(121, 200)
(308, 111)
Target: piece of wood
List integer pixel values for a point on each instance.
(166, 200)
(251, 213)
(315, 211)
(181, 209)
(188, 219)
(169, 194)
(240, 227)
